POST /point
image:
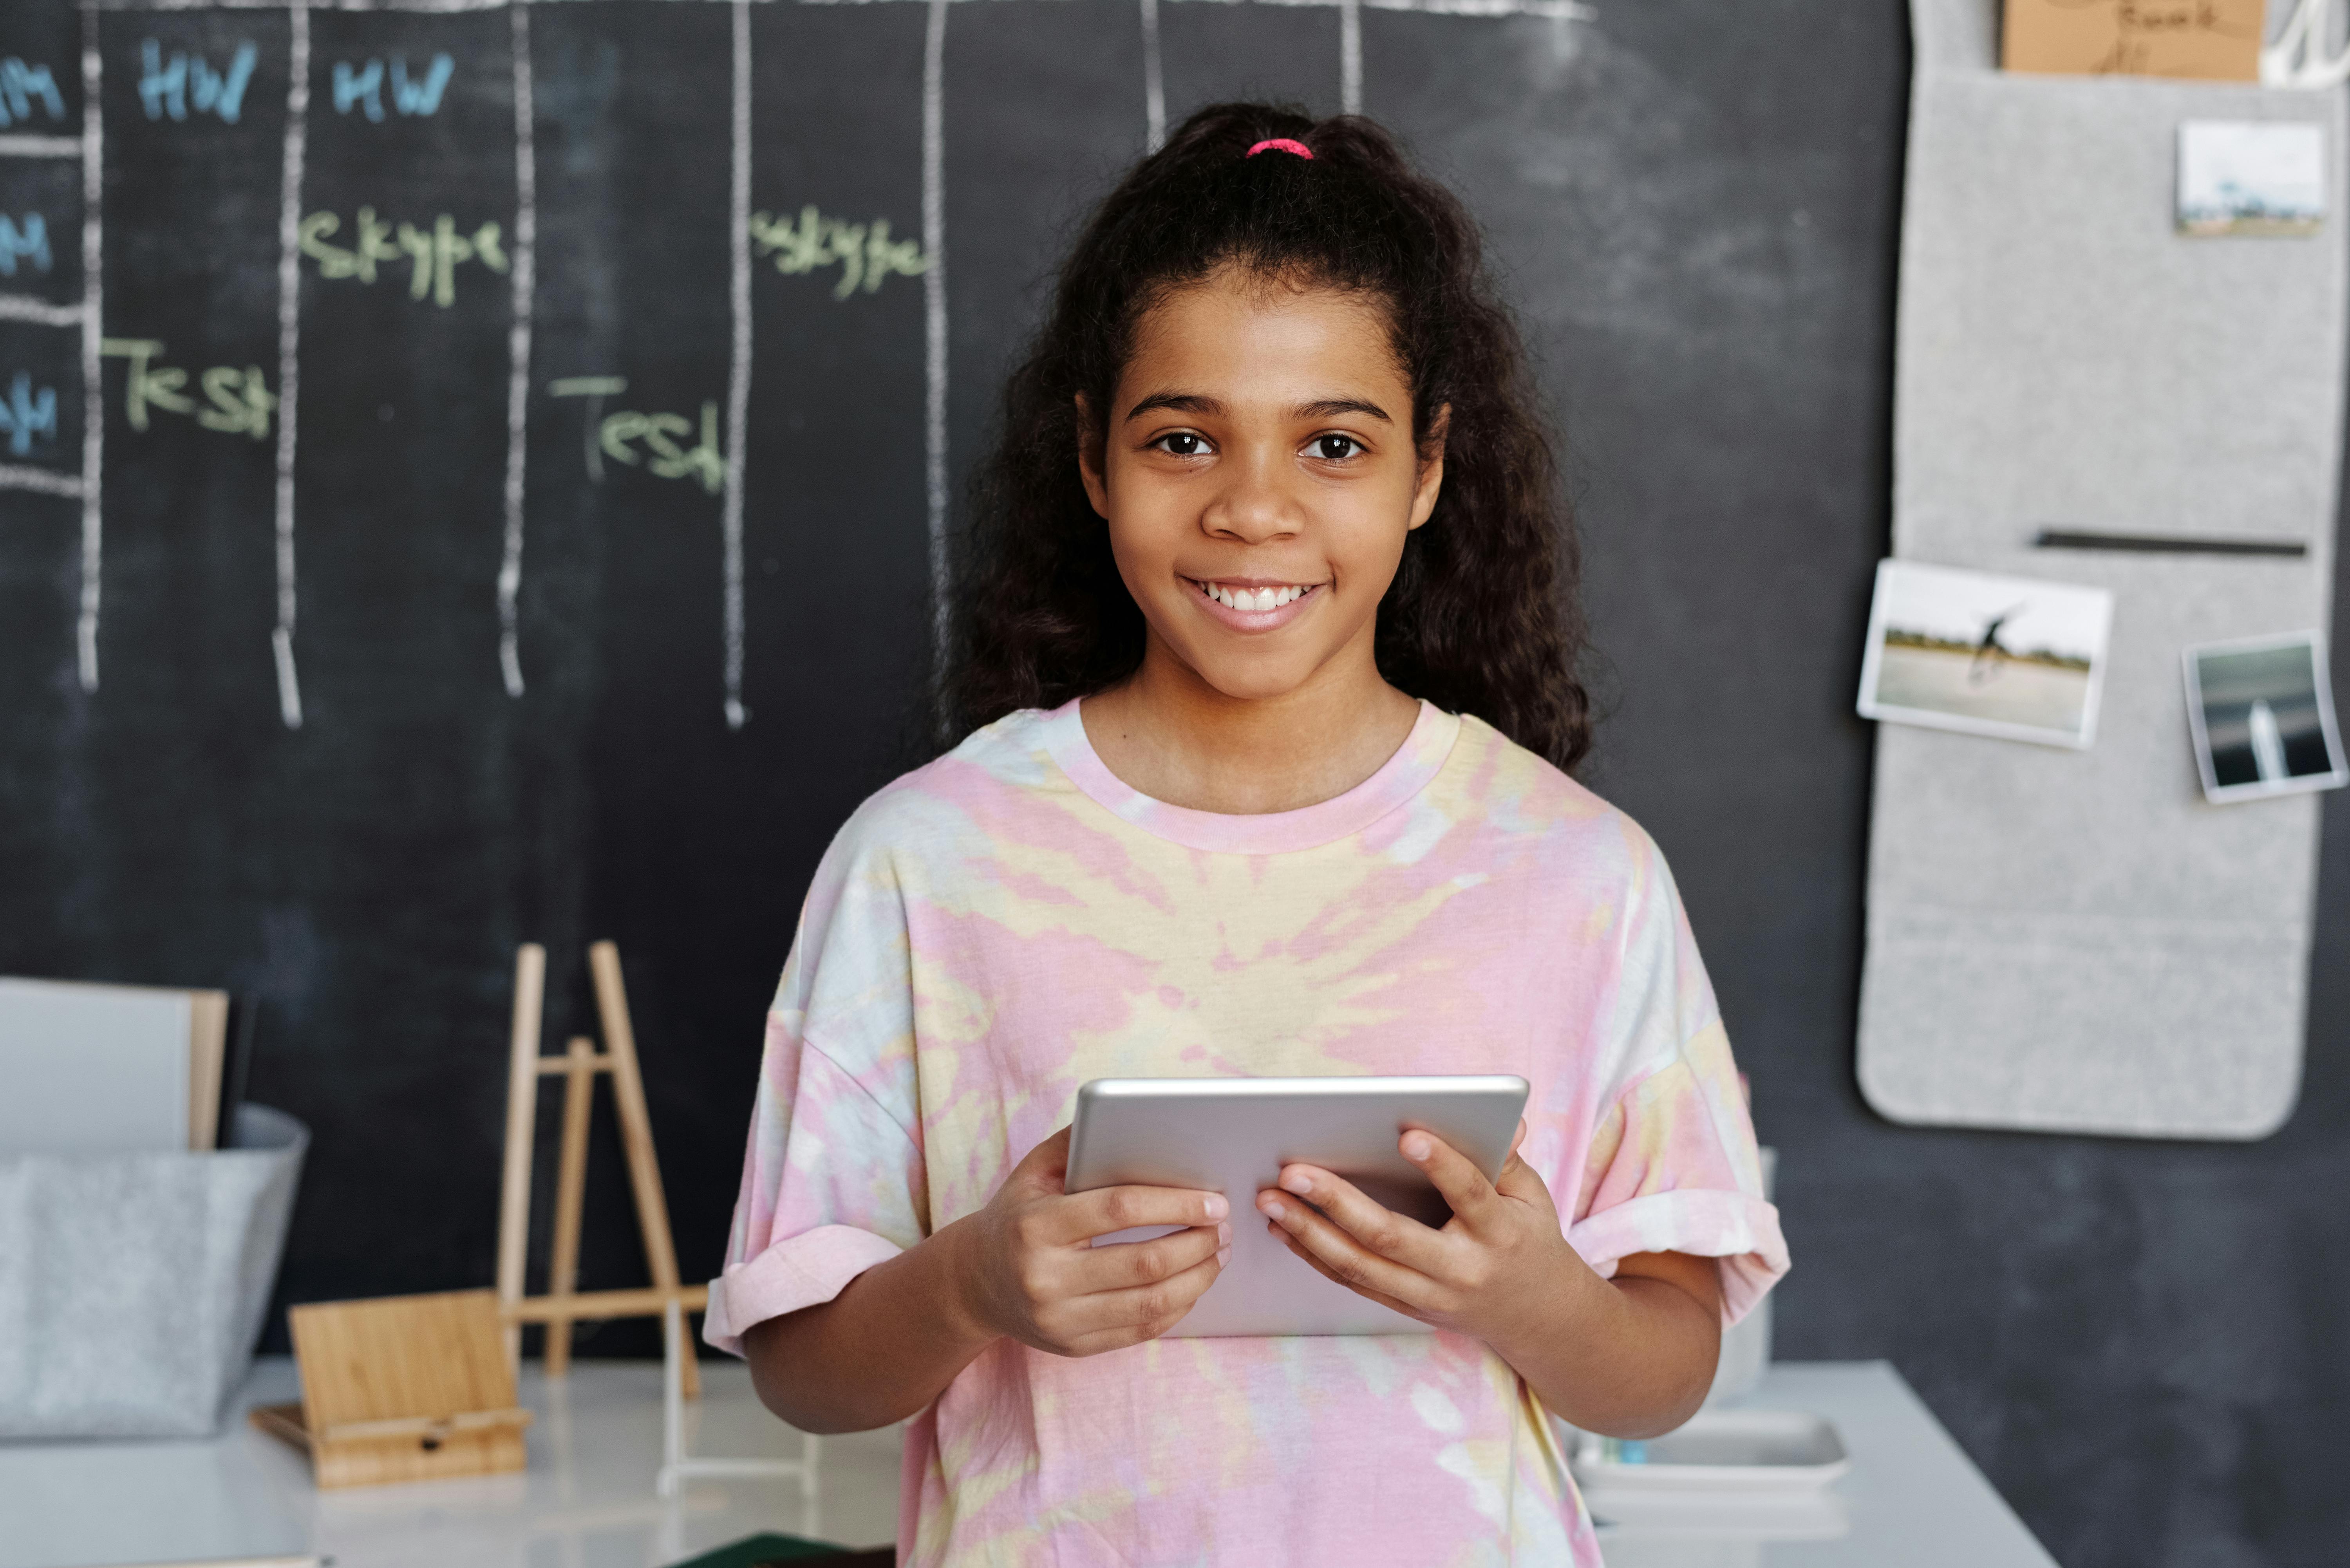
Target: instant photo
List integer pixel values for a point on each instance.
(2013, 658)
(2247, 177)
(2263, 713)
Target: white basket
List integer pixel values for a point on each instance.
(132, 1286)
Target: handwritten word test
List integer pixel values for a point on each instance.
(239, 401)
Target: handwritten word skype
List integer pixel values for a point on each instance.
(812, 242)
(27, 239)
(190, 82)
(238, 402)
(25, 415)
(434, 253)
(363, 89)
(23, 86)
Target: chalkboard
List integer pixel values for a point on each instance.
(1694, 206)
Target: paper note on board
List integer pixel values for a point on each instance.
(2214, 40)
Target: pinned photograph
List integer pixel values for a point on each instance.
(2250, 177)
(2263, 712)
(2013, 658)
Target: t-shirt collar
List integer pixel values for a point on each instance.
(1403, 776)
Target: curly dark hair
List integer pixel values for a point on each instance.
(1482, 615)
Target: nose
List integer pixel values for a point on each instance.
(1253, 507)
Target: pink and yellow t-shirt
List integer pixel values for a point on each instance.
(992, 931)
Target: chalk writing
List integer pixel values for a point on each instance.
(434, 255)
(661, 433)
(363, 89)
(27, 415)
(595, 388)
(190, 82)
(22, 87)
(812, 242)
(27, 239)
(236, 403)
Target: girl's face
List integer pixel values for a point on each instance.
(1257, 472)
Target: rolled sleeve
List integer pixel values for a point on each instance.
(803, 1270)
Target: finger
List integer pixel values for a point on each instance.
(1316, 1264)
(1140, 1313)
(1096, 1269)
(1041, 1169)
(1376, 1227)
(1464, 1186)
(1081, 1216)
(1517, 1137)
(1523, 1182)
(1345, 1259)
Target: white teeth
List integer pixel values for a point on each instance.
(1254, 601)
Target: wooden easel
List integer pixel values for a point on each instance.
(563, 1305)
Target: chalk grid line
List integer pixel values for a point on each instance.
(524, 277)
(289, 348)
(90, 313)
(1154, 80)
(934, 323)
(738, 360)
(93, 382)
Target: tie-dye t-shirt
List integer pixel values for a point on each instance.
(993, 929)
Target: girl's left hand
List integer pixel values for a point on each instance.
(1499, 1268)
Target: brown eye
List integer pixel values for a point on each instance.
(1336, 447)
(1181, 443)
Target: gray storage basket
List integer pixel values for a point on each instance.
(132, 1286)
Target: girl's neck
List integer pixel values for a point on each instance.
(1172, 736)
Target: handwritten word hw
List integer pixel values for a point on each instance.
(189, 82)
(23, 86)
(239, 401)
(26, 414)
(867, 253)
(363, 89)
(29, 240)
(434, 253)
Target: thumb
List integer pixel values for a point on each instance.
(1043, 1169)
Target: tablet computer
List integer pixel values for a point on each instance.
(1233, 1136)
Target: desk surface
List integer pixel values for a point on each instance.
(587, 1499)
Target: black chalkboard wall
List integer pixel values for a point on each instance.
(1695, 205)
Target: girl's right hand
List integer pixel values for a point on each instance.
(1029, 1270)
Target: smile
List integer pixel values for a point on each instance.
(1253, 599)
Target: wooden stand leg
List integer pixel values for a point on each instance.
(570, 1195)
(637, 1133)
(522, 1110)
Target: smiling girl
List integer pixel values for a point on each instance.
(1266, 647)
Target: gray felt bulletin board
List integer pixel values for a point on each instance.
(2075, 940)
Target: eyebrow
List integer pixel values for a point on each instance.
(1193, 403)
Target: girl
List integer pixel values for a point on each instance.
(1264, 625)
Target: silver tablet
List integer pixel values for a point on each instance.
(1233, 1136)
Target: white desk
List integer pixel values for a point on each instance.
(588, 1502)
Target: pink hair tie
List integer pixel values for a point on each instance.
(1283, 144)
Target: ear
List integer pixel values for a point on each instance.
(1431, 466)
(1090, 459)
